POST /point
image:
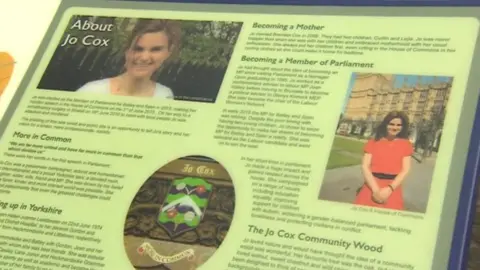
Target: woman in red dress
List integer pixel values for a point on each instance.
(386, 163)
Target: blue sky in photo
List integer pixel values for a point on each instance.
(410, 80)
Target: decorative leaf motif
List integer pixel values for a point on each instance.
(6, 70)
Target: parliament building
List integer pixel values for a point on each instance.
(374, 95)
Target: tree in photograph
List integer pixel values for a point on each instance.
(436, 123)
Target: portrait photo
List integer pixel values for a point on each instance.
(387, 140)
(142, 57)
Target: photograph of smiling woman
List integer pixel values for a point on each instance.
(151, 43)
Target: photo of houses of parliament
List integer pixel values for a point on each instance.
(373, 95)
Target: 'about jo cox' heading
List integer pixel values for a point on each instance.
(88, 40)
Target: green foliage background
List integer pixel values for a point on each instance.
(208, 43)
(194, 72)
